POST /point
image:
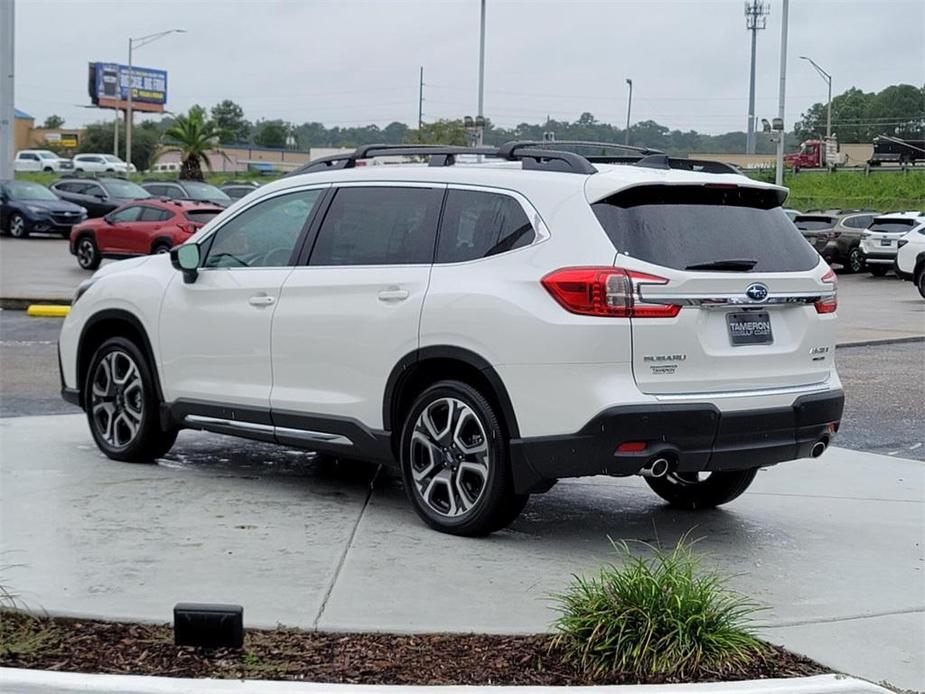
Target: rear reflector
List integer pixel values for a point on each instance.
(632, 447)
(829, 304)
(605, 291)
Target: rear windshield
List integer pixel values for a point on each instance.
(814, 223)
(682, 226)
(892, 225)
(201, 216)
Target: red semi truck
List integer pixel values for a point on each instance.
(816, 154)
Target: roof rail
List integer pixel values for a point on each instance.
(513, 145)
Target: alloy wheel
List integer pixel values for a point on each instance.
(85, 252)
(17, 226)
(117, 399)
(855, 261)
(450, 457)
(687, 479)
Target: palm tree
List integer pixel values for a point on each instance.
(192, 137)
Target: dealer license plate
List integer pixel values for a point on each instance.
(749, 328)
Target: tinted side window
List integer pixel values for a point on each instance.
(858, 222)
(153, 214)
(379, 226)
(263, 235)
(477, 225)
(159, 191)
(127, 214)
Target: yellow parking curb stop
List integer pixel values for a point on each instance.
(48, 311)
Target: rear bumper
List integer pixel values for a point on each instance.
(696, 436)
(878, 258)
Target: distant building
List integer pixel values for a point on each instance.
(23, 129)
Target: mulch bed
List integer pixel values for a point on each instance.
(283, 654)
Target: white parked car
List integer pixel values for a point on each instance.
(99, 163)
(485, 328)
(910, 258)
(40, 160)
(880, 241)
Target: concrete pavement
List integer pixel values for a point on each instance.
(833, 547)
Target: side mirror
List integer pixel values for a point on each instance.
(186, 259)
(107, 219)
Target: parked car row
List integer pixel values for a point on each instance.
(48, 161)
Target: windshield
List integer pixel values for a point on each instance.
(26, 190)
(112, 158)
(685, 226)
(892, 225)
(125, 189)
(204, 191)
(45, 154)
(814, 223)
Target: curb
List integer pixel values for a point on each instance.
(884, 341)
(46, 682)
(48, 310)
(22, 303)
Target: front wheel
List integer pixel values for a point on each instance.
(878, 270)
(18, 228)
(920, 283)
(855, 261)
(695, 490)
(454, 462)
(122, 404)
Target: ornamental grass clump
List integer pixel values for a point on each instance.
(656, 616)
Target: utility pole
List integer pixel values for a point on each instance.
(481, 113)
(7, 106)
(629, 109)
(421, 100)
(115, 134)
(779, 174)
(756, 12)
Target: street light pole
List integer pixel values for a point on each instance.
(132, 43)
(828, 78)
(779, 173)
(481, 112)
(7, 107)
(629, 108)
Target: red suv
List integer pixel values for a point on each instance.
(138, 228)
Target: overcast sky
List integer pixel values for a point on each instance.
(353, 62)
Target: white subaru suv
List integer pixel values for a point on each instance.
(910, 256)
(485, 326)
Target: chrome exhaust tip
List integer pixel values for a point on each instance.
(657, 468)
(819, 448)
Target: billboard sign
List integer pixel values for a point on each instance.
(109, 84)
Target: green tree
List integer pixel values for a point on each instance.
(229, 118)
(53, 122)
(898, 110)
(441, 132)
(192, 136)
(271, 133)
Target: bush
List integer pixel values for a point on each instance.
(656, 616)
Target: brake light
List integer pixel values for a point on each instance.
(188, 228)
(829, 304)
(606, 291)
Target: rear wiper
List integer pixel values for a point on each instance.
(731, 265)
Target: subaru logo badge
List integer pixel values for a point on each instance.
(756, 292)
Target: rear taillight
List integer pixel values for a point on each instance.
(829, 304)
(188, 227)
(606, 291)
(901, 243)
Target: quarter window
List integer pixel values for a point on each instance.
(264, 235)
(477, 224)
(152, 214)
(379, 226)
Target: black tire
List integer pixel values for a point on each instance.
(88, 255)
(160, 247)
(878, 270)
(682, 491)
(124, 416)
(17, 226)
(920, 283)
(855, 262)
(473, 468)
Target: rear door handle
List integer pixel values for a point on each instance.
(261, 300)
(393, 295)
